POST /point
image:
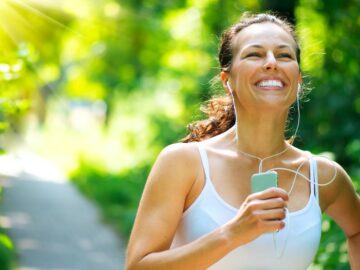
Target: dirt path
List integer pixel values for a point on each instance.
(53, 226)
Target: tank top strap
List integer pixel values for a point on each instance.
(204, 161)
(314, 187)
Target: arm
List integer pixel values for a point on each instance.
(343, 204)
(160, 211)
(162, 206)
(354, 251)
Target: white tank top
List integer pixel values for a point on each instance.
(298, 241)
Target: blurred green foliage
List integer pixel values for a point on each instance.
(117, 194)
(150, 62)
(7, 249)
(7, 252)
(331, 118)
(14, 99)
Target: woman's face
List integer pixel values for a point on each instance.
(264, 70)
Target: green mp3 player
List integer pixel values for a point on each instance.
(262, 181)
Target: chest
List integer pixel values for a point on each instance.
(292, 248)
(232, 181)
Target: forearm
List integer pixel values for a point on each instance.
(199, 254)
(354, 251)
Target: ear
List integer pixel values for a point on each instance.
(224, 76)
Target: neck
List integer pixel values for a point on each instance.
(261, 135)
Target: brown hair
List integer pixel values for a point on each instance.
(220, 111)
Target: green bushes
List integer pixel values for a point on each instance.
(7, 251)
(117, 194)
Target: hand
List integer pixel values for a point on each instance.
(261, 212)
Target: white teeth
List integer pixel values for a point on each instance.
(270, 83)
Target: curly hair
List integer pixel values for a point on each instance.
(219, 110)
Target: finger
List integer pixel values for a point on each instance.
(273, 226)
(271, 215)
(270, 193)
(273, 203)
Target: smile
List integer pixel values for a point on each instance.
(270, 84)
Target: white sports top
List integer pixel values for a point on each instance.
(298, 241)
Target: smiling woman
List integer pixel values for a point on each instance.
(199, 209)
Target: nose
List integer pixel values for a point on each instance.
(270, 62)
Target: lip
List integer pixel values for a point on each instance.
(270, 87)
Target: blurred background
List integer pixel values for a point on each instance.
(99, 87)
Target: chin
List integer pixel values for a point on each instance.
(274, 102)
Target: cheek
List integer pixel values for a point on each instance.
(291, 68)
(292, 72)
(244, 71)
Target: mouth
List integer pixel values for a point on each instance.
(270, 84)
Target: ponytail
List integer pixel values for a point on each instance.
(221, 117)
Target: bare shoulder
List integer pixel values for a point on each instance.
(177, 163)
(331, 176)
(334, 181)
(338, 197)
(172, 175)
(330, 170)
(162, 202)
(180, 156)
(182, 151)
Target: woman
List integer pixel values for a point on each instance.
(197, 209)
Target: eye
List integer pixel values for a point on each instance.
(253, 54)
(285, 55)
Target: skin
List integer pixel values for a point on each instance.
(261, 51)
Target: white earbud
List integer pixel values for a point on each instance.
(298, 90)
(228, 85)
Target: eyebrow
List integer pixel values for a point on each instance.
(260, 47)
